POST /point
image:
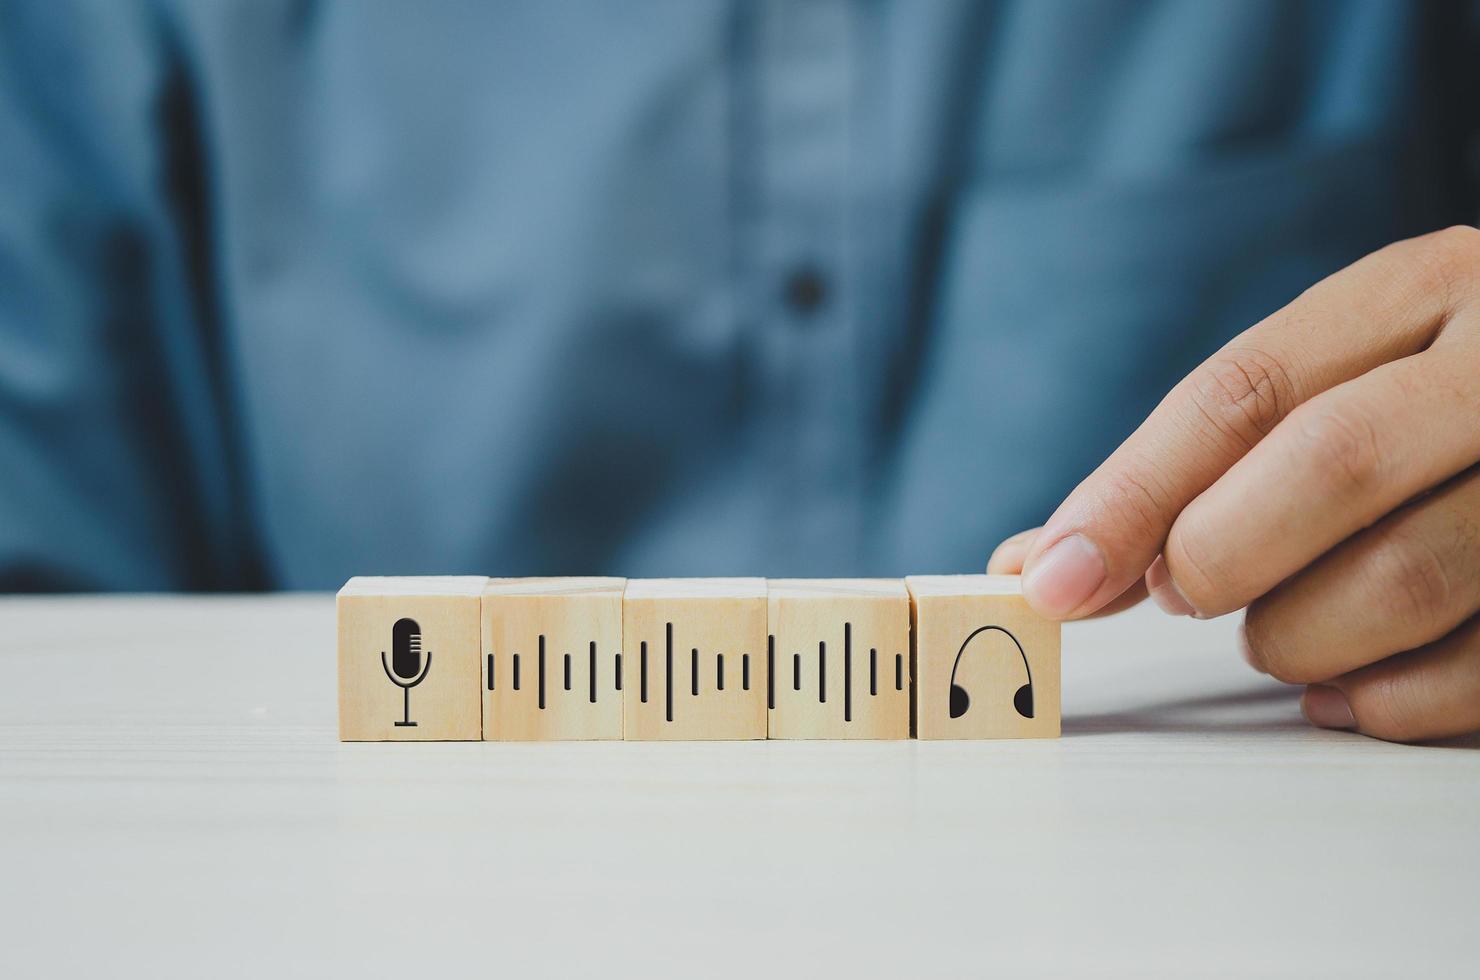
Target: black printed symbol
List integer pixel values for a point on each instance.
(1022, 700)
(406, 667)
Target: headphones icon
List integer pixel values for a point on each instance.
(1022, 700)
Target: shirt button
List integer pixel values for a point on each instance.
(806, 290)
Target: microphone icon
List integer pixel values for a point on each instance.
(406, 668)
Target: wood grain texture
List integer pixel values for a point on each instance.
(554, 645)
(696, 650)
(837, 654)
(444, 705)
(964, 632)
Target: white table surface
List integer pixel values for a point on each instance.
(173, 802)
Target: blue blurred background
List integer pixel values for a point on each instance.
(291, 291)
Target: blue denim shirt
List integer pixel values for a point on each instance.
(291, 291)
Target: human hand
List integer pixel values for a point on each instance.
(1321, 470)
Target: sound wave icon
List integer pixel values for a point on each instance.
(822, 659)
(695, 672)
(591, 671)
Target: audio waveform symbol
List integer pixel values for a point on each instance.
(567, 677)
(822, 661)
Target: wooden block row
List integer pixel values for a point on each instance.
(465, 657)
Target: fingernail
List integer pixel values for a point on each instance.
(1065, 576)
(1244, 650)
(1164, 591)
(1326, 707)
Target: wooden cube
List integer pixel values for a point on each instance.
(838, 658)
(695, 658)
(408, 659)
(552, 659)
(986, 665)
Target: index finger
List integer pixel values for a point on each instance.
(1113, 525)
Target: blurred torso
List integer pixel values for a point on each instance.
(733, 288)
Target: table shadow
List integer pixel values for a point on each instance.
(1206, 714)
(1195, 714)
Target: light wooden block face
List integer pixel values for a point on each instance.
(408, 659)
(983, 659)
(694, 659)
(838, 658)
(552, 659)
